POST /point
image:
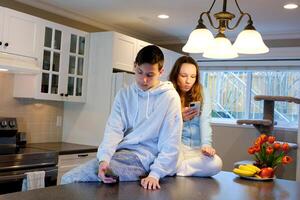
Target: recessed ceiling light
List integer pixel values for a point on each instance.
(3, 70)
(163, 16)
(290, 6)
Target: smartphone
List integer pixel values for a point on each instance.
(195, 105)
(109, 173)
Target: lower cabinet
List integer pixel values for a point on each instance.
(70, 161)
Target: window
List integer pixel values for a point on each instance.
(232, 94)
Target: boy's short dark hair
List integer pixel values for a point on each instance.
(150, 54)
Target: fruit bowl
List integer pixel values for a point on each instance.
(252, 172)
(257, 178)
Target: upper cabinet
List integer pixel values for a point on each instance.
(63, 61)
(64, 64)
(77, 66)
(18, 33)
(125, 49)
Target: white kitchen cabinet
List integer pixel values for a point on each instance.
(70, 161)
(63, 60)
(139, 45)
(64, 64)
(125, 49)
(18, 33)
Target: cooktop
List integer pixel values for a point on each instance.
(28, 157)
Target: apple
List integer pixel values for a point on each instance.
(267, 172)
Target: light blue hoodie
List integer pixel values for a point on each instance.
(149, 123)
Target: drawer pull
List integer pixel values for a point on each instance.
(82, 155)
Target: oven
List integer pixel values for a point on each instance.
(12, 181)
(16, 161)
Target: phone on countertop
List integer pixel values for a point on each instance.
(195, 105)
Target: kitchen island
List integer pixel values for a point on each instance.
(225, 185)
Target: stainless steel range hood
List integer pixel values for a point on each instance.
(18, 64)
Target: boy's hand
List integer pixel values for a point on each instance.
(103, 167)
(150, 183)
(208, 151)
(189, 113)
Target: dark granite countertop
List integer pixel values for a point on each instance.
(63, 147)
(225, 185)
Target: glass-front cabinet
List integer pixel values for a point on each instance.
(76, 65)
(51, 69)
(64, 64)
(61, 53)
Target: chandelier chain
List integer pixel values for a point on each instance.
(212, 5)
(237, 5)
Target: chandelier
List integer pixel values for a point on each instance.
(201, 40)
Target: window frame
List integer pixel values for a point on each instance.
(280, 59)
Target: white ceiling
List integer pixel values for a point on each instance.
(139, 17)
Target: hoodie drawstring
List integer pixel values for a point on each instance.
(134, 119)
(147, 108)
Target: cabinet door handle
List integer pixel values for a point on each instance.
(82, 155)
(66, 95)
(6, 44)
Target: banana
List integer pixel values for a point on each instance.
(257, 176)
(246, 168)
(241, 172)
(253, 167)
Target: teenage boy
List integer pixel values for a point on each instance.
(143, 132)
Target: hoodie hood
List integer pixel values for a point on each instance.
(162, 87)
(145, 100)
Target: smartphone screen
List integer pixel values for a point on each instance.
(195, 105)
(109, 173)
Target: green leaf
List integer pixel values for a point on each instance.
(263, 153)
(271, 159)
(278, 160)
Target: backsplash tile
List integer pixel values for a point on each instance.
(35, 117)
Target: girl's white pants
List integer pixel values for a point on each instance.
(192, 162)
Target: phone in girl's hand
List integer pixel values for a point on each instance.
(195, 105)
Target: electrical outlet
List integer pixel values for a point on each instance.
(58, 121)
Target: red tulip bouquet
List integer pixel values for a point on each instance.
(269, 154)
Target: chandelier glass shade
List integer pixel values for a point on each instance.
(198, 36)
(250, 42)
(201, 40)
(220, 48)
